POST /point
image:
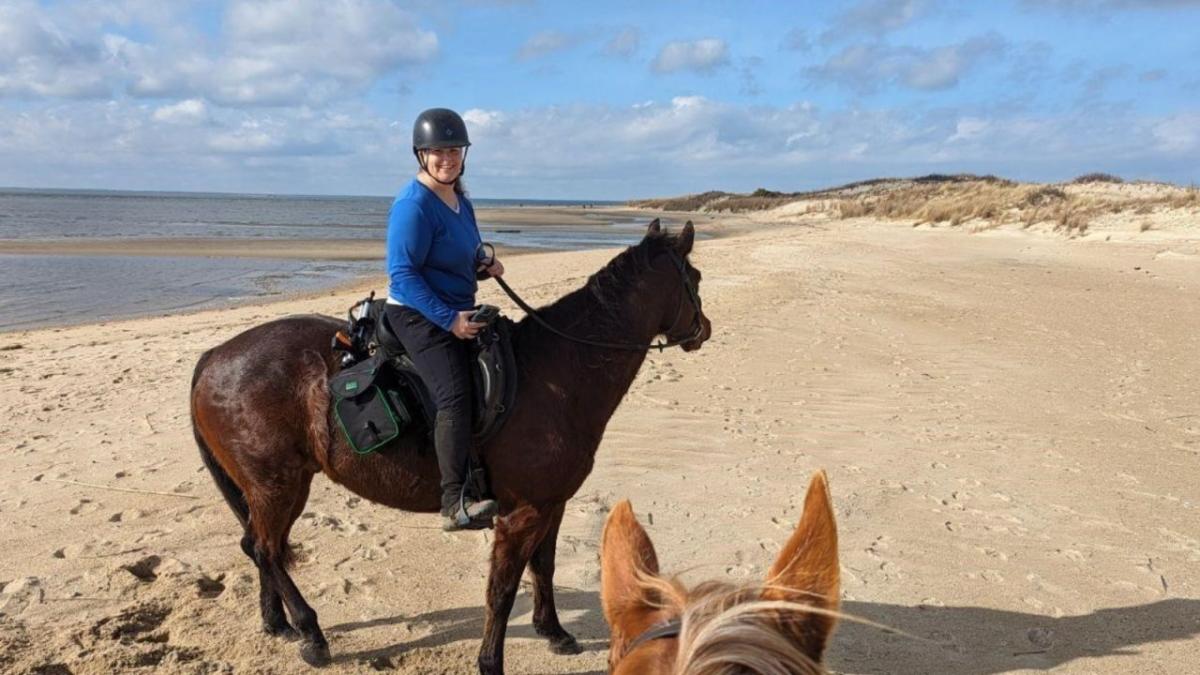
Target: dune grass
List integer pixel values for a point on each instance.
(981, 201)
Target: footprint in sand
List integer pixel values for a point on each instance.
(126, 516)
(142, 636)
(209, 588)
(144, 569)
(84, 506)
(17, 595)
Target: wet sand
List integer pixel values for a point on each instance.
(1009, 421)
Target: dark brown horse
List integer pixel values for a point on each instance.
(261, 416)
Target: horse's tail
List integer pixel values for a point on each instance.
(229, 490)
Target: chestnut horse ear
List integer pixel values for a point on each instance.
(625, 551)
(807, 570)
(686, 238)
(655, 228)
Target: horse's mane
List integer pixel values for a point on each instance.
(613, 281)
(728, 629)
(607, 291)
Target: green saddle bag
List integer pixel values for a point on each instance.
(369, 415)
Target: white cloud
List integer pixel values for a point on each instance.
(701, 56)
(190, 111)
(544, 43)
(968, 128)
(624, 44)
(40, 56)
(311, 50)
(866, 67)
(1178, 134)
(273, 52)
(877, 17)
(1088, 6)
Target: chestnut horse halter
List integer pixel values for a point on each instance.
(659, 631)
(689, 290)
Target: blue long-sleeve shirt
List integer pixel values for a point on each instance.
(431, 254)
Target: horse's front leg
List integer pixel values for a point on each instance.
(517, 536)
(541, 568)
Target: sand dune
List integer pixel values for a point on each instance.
(1010, 423)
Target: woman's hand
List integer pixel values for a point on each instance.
(496, 269)
(463, 328)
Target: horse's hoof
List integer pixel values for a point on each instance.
(285, 631)
(565, 645)
(315, 654)
(489, 666)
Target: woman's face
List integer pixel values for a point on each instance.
(444, 164)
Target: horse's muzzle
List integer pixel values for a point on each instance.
(705, 333)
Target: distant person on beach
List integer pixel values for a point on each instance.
(434, 260)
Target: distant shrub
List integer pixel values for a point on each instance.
(1098, 178)
(684, 203)
(763, 192)
(1189, 199)
(962, 178)
(1044, 196)
(754, 202)
(852, 209)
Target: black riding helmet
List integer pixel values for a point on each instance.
(440, 128)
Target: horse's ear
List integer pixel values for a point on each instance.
(625, 555)
(807, 570)
(654, 229)
(687, 237)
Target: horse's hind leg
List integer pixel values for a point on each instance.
(541, 568)
(285, 506)
(274, 620)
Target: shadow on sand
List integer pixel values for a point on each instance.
(981, 641)
(448, 626)
(961, 640)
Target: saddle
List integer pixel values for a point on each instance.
(379, 396)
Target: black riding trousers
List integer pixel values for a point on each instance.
(441, 360)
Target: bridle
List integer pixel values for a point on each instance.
(666, 629)
(690, 293)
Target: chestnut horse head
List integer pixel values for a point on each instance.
(782, 626)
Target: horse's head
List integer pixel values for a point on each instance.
(683, 319)
(659, 626)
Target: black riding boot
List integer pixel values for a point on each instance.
(463, 510)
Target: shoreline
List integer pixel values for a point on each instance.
(359, 284)
(548, 229)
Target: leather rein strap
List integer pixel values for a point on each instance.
(689, 289)
(668, 629)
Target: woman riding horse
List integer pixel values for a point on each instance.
(263, 422)
(432, 241)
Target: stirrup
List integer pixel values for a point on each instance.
(463, 518)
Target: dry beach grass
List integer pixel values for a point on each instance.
(976, 202)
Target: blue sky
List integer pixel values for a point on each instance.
(604, 100)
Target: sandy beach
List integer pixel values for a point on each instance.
(1010, 421)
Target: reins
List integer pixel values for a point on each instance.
(667, 629)
(688, 288)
